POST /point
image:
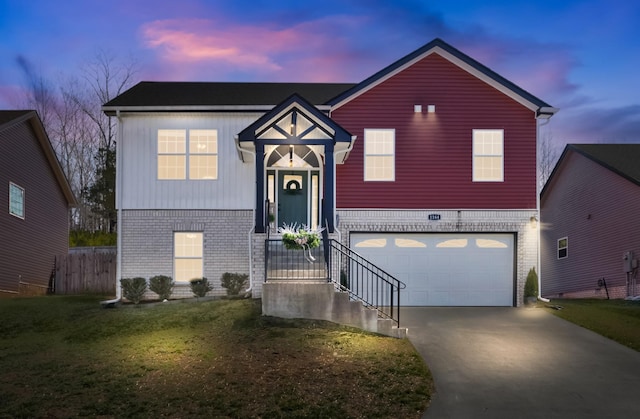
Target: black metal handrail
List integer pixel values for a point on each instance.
(364, 281)
(333, 262)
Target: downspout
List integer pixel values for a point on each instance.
(335, 159)
(111, 303)
(545, 122)
(253, 227)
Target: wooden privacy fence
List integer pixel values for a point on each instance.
(87, 270)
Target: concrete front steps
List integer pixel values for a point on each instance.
(320, 301)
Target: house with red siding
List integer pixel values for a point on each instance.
(424, 173)
(35, 198)
(590, 237)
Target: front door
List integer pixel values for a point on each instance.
(293, 193)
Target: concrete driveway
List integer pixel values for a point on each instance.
(500, 362)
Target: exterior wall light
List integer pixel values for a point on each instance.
(431, 108)
(417, 108)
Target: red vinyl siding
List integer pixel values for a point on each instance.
(433, 151)
(597, 210)
(28, 246)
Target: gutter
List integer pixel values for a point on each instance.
(545, 116)
(112, 303)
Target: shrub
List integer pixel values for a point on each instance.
(133, 288)
(200, 286)
(161, 285)
(233, 282)
(531, 285)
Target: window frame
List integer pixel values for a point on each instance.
(367, 154)
(477, 157)
(564, 249)
(178, 255)
(12, 210)
(186, 153)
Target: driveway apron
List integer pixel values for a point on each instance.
(500, 362)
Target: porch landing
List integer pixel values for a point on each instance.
(321, 301)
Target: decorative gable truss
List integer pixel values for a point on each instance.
(296, 122)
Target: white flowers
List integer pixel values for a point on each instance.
(303, 238)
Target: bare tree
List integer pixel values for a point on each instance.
(105, 78)
(82, 135)
(548, 153)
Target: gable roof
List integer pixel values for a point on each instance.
(9, 119)
(621, 159)
(319, 122)
(218, 96)
(458, 58)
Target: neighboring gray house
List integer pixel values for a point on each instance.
(590, 227)
(35, 198)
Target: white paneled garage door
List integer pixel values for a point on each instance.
(442, 269)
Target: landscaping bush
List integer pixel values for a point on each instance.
(200, 286)
(161, 285)
(233, 282)
(531, 286)
(133, 288)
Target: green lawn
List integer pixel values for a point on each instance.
(618, 320)
(67, 356)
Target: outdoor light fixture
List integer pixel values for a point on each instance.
(533, 221)
(291, 156)
(417, 108)
(431, 108)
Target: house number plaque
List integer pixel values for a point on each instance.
(434, 217)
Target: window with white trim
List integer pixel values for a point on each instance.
(16, 200)
(187, 255)
(563, 248)
(379, 154)
(179, 160)
(488, 155)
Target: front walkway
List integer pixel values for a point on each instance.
(495, 362)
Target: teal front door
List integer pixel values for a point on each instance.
(293, 196)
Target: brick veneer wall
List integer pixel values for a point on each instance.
(147, 243)
(452, 221)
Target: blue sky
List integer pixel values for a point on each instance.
(580, 56)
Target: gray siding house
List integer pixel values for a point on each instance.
(35, 198)
(590, 213)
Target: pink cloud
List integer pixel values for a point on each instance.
(307, 51)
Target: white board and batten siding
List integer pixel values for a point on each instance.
(445, 269)
(138, 165)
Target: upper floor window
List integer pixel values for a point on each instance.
(563, 248)
(16, 200)
(379, 154)
(488, 155)
(196, 158)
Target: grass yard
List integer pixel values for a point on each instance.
(618, 320)
(67, 356)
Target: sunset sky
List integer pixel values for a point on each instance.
(580, 56)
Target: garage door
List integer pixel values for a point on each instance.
(445, 269)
